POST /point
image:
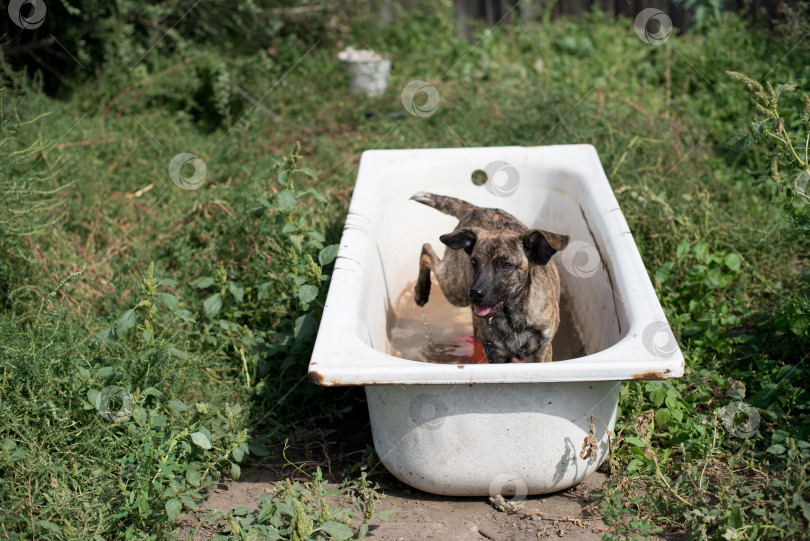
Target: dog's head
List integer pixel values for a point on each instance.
(501, 262)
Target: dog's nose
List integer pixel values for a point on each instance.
(476, 294)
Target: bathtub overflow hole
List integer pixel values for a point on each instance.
(479, 177)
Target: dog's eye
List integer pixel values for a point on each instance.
(474, 263)
(506, 265)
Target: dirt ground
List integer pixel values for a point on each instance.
(415, 515)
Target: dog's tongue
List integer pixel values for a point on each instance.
(481, 311)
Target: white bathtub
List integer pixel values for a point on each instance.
(479, 429)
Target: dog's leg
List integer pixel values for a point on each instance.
(427, 261)
(542, 355)
(453, 275)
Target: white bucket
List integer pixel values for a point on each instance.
(366, 71)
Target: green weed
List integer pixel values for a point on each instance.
(301, 511)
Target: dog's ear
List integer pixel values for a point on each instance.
(541, 245)
(460, 239)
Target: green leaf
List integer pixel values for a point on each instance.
(152, 391)
(337, 531)
(173, 508)
(238, 454)
(801, 503)
(264, 291)
(316, 194)
(735, 519)
(272, 535)
(188, 502)
(201, 440)
(282, 177)
(328, 254)
(104, 372)
(286, 200)
(258, 450)
(307, 294)
(125, 321)
(193, 477)
(739, 141)
(212, 305)
(658, 394)
(179, 354)
(632, 440)
(798, 325)
(662, 417)
(307, 171)
(50, 526)
(297, 241)
(106, 334)
(202, 282)
(758, 128)
(683, 248)
(236, 471)
(186, 316)
(177, 405)
(228, 325)
(240, 511)
(634, 465)
(776, 449)
(733, 262)
(785, 373)
(170, 301)
(171, 282)
(237, 290)
(789, 87)
(305, 326)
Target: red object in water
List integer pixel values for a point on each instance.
(478, 355)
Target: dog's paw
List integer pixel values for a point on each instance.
(421, 293)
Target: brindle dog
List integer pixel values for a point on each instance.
(504, 270)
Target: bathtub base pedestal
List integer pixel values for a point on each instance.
(482, 440)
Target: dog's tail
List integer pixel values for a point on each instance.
(443, 203)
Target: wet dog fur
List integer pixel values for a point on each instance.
(504, 271)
